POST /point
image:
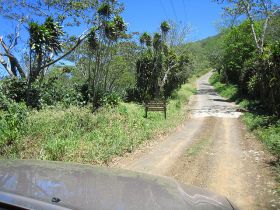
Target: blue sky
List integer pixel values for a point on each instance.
(146, 15)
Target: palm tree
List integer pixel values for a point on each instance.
(157, 41)
(146, 39)
(165, 28)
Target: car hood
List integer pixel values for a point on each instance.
(57, 185)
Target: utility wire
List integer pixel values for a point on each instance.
(185, 9)
(174, 11)
(163, 8)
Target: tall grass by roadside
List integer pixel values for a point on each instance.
(76, 134)
(264, 125)
(226, 90)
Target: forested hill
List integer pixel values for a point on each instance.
(204, 51)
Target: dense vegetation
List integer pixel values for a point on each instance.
(90, 109)
(160, 69)
(75, 134)
(249, 57)
(247, 63)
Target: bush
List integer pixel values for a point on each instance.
(112, 99)
(215, 78)
(53, 92)
(14, 89)
(11, 122)
(228, 91)
(268, 130)
(132, 94)
(271, 137)
(48, 93)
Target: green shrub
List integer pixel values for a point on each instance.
(11, 122)
(271, 137)
(51, 92)
(226, 90)
(112, 98)
(255, 121)
(12, 117)
(54, 92)
(215, 77)
(14, 89)
(267, 129)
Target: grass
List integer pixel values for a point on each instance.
(226, 90)
(266, 127)
(78, 135)
(197, 147)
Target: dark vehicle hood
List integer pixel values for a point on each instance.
(33, 184)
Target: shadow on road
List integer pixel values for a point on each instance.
(221, 100)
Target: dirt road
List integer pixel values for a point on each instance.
(213, 150)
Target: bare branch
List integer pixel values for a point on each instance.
(4, 54)
(247, 8)
(255, 10)
(17, 34)
(14, 64)
(7, 50)
(6, 66)
(36, 9)
(81, 38)
(166, 75)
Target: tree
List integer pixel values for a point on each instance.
(178, 33)
(146, 39)
(254, 10)
(44, 43)
(238, 49)
(159, 70)
(274, 29)
(100, 51)
(46, 40)
(251, 49)
(49, 44)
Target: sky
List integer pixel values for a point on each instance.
(146, 15)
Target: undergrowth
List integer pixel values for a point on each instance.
(76, 134)
(226, 90)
